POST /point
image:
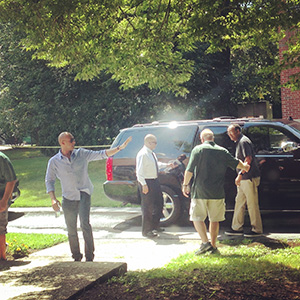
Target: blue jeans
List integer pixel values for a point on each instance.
(71, 211)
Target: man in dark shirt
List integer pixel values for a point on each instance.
(208, 164)
(8, 180)
(247, 183)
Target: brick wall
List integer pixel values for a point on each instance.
(290, 100)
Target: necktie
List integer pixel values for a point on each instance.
(156, 166)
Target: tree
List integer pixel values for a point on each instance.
(143, 42)
(254, 77)
(40, 101)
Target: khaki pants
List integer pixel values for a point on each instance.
(247, 194)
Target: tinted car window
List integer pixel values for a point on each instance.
(170, 142)
(268, 137)
(221, 137)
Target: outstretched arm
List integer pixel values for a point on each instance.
(111, 152)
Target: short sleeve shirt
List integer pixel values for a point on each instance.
(208, 163)
(7, 172)
(243, 149)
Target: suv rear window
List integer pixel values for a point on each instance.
(171, 142)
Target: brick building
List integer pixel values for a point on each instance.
(290, 100)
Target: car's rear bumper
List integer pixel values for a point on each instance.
(124, 191)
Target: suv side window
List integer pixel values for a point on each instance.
(268, 138)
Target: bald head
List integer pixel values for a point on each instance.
(63, 136)
(206, 135)
(150, 141)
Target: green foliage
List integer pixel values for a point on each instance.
(17, 249)
(254, 76)
(142, 42)
(19, 244)
(41, 102)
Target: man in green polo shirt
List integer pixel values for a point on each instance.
(208, 164)
(8, 180)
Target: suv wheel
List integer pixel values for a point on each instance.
(172, 206)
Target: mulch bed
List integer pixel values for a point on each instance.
(272, 289)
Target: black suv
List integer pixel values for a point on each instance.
(277, 146)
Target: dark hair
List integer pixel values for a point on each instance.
(236, 127)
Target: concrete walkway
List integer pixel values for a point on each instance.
(52, 274)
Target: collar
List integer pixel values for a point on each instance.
(241, 135)
(63, 156)
(148, 149)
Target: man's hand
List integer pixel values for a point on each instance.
(145, 189)
(246, 167)
(7, 195)
(56, 205)
(123, 146)
(238, 180)
(186, 190)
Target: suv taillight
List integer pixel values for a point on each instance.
(109, 169)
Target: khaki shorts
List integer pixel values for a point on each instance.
(213, 208)
(3, 222)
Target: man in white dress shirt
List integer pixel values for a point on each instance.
(149, 187)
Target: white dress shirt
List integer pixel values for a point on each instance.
(147, 165)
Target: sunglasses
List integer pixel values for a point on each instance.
(72, 140)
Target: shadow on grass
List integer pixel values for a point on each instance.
(266, 241)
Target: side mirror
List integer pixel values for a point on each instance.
(289, 146)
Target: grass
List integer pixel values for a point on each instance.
(192, 275)
(21, 244)
(36, 241)
(30, 166)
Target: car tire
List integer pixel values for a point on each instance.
(171, 207)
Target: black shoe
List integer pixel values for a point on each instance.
(79, 258)
(215, 251)
(159, 229)
(234, 232)
(205, 247)
(151, 235)
(252, 234)
(89, 259)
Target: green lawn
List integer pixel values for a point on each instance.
(30, 166)
(22, 244)
(251, 271)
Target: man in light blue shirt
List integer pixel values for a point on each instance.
(70, 166)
